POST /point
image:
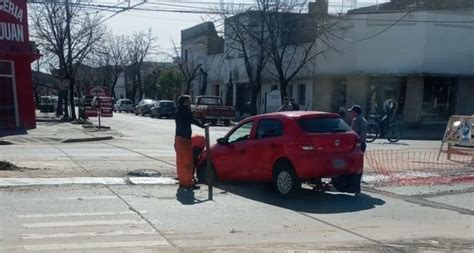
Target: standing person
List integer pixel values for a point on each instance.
(287, 106)
(183, 144)
(294, 105)
(359, 125)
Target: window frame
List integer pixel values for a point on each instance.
(237, 128)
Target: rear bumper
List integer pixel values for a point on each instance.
(310, 166)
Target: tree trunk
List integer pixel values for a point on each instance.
(64, 98)
(71, 98)
(253, 101)
(284, 88)
(188, 87)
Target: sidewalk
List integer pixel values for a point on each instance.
(54, 130)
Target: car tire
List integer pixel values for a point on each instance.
(346, 183)
(226, 122)
(285, 179)
(136, 113)
(202, 174)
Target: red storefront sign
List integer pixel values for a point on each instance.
(98, 91)
(13, 26)
(90, 111)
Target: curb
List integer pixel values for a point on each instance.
(105, 138)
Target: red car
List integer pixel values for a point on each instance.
(286, 148)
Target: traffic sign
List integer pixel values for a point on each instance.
(105, 106)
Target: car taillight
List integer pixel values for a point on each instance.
(357, 143)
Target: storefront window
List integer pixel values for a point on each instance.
(438, 98)
(382, 90)
(338, 102)
(7, 96)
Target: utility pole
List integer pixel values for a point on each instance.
(68, 69)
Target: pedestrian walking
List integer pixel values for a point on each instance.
(287, 106)
(183, 143)
(359, 125)
(294, 106)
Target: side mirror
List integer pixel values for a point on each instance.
(223, 141)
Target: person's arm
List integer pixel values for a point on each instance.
(356, 126)
(195, 121)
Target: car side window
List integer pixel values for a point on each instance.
(268, 128)
(242, 133)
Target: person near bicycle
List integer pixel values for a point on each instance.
(390, 107)
(359, 125)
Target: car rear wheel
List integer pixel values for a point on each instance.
(202, 174)
(226, 122)
(285, 179)
(347, 183)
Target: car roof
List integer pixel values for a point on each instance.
(295, 115)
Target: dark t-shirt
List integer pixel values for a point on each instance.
(184, 118)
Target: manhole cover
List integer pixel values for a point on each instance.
(145, 173)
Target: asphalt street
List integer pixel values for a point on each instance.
(96, 210)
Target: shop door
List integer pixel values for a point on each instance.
(8, 118)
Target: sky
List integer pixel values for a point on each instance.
(167, 26)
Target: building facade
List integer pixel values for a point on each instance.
(17, 109)
(421, 56)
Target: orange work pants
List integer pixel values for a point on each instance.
(184, 161)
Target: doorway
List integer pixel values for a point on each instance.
(8, 102)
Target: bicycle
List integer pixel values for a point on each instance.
(377, 127)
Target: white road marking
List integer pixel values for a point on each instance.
(95, 245)
(49, 215)
(82, 223)
(88, 234)
(152, 180)
(4, 182)
(61, 181)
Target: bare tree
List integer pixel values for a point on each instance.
(293, 39)
(186, 66)
(111, 59)
(245, 36)
(69, 32)
(139, 47)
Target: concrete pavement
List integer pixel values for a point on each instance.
(96, 207)
(242, 218)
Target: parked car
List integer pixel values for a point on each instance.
(211, 109)
(163, 108)
(144, 106)
(46, 104)
(123, 104)
(286, 148)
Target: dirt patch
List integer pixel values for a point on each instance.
(4, 165)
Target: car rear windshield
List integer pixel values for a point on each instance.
(209, 101)
(324, 125)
